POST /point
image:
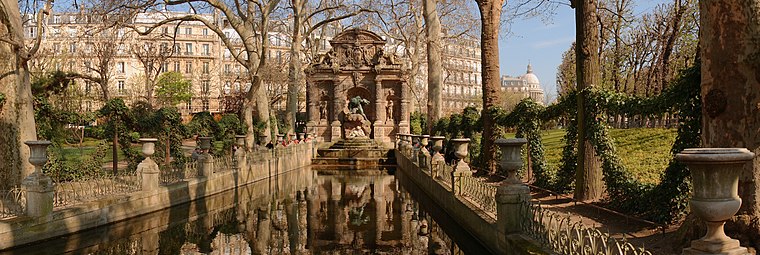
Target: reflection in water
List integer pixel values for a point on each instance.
(324, 215)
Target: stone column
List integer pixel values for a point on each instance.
(423, 155)
(377, 127)
(461, 169)
(403, 125)
(512, 196)
(148, 168)
(312, 98)
(338, 101)
(38, 186)
(205, 160)
(240, 159)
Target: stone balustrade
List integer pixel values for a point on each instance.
(501, 215)
(51, 209)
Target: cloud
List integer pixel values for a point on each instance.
(553, 42)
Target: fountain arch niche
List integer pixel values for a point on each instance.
(358, 64)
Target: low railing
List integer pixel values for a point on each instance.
(559, 233)
(483, 194)
(222, 164)
(91, 188)
(445, 174)
(12, 203)
(171, 175)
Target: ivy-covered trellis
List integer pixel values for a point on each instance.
(662, 202)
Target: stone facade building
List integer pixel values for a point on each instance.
(523, 86)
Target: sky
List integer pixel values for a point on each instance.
(542, 42)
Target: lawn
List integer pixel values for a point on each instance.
(645, 152)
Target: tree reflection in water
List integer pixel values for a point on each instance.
(327, 214)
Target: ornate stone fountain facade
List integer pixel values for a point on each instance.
(357, 90)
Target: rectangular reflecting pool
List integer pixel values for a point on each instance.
(299, 212)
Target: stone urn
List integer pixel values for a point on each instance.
(511, 157)
(280, 138)
(263, 139)
(149, 146)
(437, 143)
(424, 140)
(38, 154)
(205, 143)
(461, 152)
(240, 141)
(301, 136)
(715, 178)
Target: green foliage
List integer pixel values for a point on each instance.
(203, 124)
(51, 121)
(61, 169)
(229, 126)
(172, 88)
(662, 202)
(418, 122)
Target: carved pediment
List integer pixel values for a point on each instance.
(356, 49)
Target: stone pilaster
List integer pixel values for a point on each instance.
(403, 124)
(338, 101)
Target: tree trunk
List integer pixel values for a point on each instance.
(434, 65)
(17, 113)
(295, 77)
(731, 91)
(588, 175)
(115, 150)
(490, 13)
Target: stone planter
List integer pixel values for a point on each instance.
(437, 144)
(240, 141)
(715, 177)
(148, 169)
(205, 143)
(280, 138)
(461, 152)
(424, 140)
(38, 186)
(511, 157)
(301, 136)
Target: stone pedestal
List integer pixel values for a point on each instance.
(335, 131)
(39, 187)
(510, 200)
(39, 195)
(148, 169)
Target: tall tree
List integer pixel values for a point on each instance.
(731, 92)
(250, 20)
(434, 62)
(490, 16)
(588, 175)
(16, 110)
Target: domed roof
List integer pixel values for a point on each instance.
(530, 78)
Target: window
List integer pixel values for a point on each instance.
(227, 53)
(205, 104)
(205, 86)
(88, 106)
(71, 65)
(121, 48)
(206, 50)
(188, 49)
(56, 19)
(120, 33)
(164, 67)
(72, 48)
(205, 67)
(72, 19)
(165, 30)
(279, 56)
(87, 66)
(120, 87)
(188, 30)
(205, 31)
(188, 67)
(227, 69)
(72, 32)
(32, 32)
(56, 31)
(189, 104)
(120, 67)
(88, 48)
(87, 87)
(176, 66)
(57, 47)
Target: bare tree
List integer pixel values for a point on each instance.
(251, 22)
(16, 113)
(490, 16)
(153, 52)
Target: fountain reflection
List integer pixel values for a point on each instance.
(315, 214)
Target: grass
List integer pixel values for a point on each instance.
(72, 152)
(645, 152)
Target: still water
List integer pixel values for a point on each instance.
(300, 212)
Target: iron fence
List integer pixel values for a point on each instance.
(222, 163)
(171, 175)
(562, 235)
(483, 194)
(93, 187)
(13, 202)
